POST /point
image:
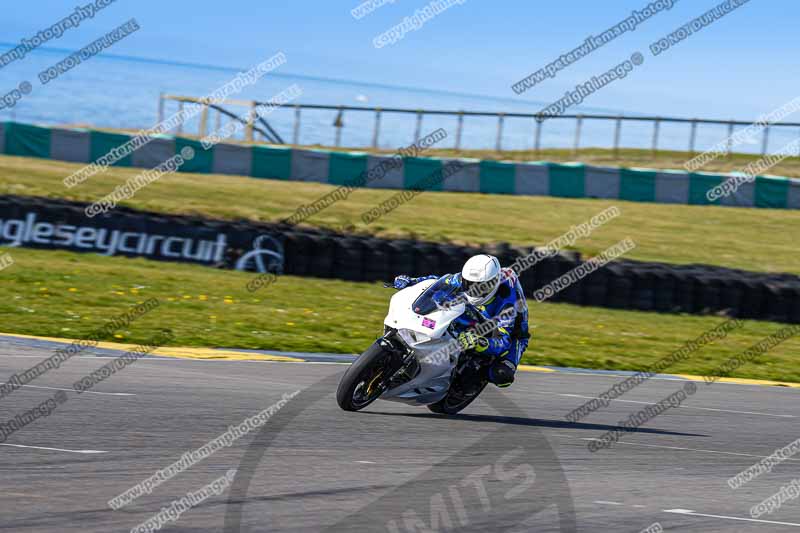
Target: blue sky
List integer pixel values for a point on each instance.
(740, 66)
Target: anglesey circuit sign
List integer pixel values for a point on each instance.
(266, 255)
(110, 241)
(142, 235)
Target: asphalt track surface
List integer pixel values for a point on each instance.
(510, 463)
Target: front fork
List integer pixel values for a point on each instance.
(403, 366)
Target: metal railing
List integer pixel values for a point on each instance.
(251, 119)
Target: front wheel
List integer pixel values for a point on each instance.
(364, 381)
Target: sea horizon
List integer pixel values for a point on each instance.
(123, 92)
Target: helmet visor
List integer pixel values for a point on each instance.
(477, 290)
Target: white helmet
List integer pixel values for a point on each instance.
(480, 278)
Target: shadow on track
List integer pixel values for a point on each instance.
(536, 422)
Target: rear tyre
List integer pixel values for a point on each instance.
(364, 381)
(454, 401)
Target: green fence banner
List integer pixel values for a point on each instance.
(102, 144)
(203, 160)
(28, 141)
(272, 163)
(345, 168)
(497, 177)
(567, 180)
(637, 185)
(422, 173)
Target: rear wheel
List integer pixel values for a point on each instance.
(456, 400)
(364, 381)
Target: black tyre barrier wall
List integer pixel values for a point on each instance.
(245, 245)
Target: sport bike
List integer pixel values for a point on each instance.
(418, 360)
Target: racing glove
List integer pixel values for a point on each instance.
(401, 282)
(469, 341)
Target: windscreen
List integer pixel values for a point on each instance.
(437, 294)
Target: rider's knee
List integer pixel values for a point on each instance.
(502, 373)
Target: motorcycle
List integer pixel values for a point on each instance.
(418, 360)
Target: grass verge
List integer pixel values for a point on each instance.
(752, 239)
(62, 294)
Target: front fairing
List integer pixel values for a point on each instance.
(432, 325)
(429, 339)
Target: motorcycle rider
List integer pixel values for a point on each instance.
(497, 293)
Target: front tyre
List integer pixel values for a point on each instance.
(364, 381)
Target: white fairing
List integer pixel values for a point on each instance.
(428, 338)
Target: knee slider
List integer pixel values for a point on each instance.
(502, 373)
